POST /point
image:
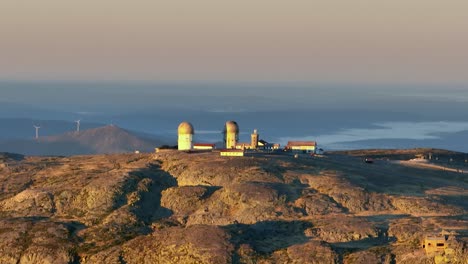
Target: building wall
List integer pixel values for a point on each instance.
(435, 245)
(203, 147)
(185, 142)
(231, 140)
(232, 153)
(254, 141)
(308, 149)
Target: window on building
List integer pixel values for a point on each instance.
(440, 244)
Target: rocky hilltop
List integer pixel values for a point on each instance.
(174, 207)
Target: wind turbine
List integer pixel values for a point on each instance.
(78, 125)
(37, 131)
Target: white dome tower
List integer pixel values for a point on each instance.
(185, 132)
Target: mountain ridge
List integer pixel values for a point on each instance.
(101, 140)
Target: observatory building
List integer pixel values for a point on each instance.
(185, 132)
(231, 134)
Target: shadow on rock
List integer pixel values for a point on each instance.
(152, 180)
(291, 191)
(268, 236)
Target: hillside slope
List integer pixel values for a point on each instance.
(101, 140)
(175, 207)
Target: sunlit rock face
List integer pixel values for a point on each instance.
(177, 207)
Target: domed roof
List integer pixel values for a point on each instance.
(186, 128)
(231, 127)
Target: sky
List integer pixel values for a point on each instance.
(330, 41)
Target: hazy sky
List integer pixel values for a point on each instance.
(383, 41)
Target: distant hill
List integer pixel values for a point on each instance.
(101, 140)
(22, 128)
(4, 156)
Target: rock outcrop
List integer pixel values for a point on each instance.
(175, 207)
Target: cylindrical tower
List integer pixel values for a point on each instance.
(231, 134)
(185, 132)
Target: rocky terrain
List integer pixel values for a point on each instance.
(174, 207)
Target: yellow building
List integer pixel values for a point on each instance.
(435, 243)
(231, 134)
(185, 133)
(232, 153)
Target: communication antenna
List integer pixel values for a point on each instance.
(37, 131)
(78, 125)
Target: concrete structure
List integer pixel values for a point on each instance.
(302, 146)
(185, 132)
(254, 139)
(232, 152)
(435, 243)
(204, 146)
(231, 134)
